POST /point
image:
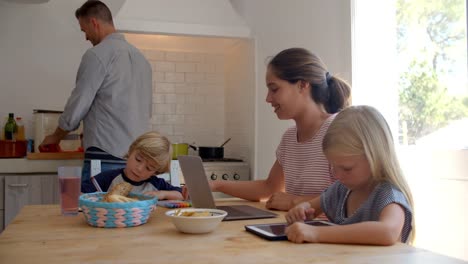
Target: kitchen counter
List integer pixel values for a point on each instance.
(40, 234)
(19, 166)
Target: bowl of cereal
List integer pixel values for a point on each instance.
(196, 220)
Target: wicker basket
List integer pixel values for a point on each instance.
(103, 214)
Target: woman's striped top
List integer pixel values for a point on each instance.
(306, 170)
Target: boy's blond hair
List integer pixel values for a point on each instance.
(154, 147)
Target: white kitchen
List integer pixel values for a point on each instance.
(208, 58)
(208, 66)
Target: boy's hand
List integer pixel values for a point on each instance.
(300, 213)
(159, 194)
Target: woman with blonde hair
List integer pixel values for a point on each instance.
(371, 202)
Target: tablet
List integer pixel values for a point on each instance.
(276, 231)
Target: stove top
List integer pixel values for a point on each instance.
(223, 160)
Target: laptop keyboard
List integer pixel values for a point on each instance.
(232, 211)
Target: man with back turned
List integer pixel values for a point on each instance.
(112, 94)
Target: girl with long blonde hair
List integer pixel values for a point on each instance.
(371, 202)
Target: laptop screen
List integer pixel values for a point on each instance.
(196, 181)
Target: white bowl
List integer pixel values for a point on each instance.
(196, 224)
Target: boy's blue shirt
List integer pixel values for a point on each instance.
(105, 179)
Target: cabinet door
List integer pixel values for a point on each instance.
(2, 201)
(21, 190)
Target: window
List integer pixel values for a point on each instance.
(410, 62)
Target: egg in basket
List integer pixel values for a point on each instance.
(117, 208)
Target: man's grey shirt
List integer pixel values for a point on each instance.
(113, 96)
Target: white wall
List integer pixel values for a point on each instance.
(40, 50)
(322, 26)
(240, 102)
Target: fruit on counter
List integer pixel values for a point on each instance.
(50, 148)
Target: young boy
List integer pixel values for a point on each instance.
(149, 155)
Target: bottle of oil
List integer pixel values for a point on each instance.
(2, 135)
(10, 127)
(20, 130)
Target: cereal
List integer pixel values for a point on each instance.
(192, 213)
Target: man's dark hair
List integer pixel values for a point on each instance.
(96, 9)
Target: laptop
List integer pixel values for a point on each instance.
(201, 196)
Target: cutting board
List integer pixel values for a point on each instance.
(55, 155)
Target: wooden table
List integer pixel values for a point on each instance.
(39, 234)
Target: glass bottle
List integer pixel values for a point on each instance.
(20, 130)
(10, 127)
(2, 135)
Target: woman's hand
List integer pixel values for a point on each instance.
(300, 232)
(280, 201)
(300, 213)
(185, 193)
(214, 185)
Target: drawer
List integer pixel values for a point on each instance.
(2, 217)
(2, 194)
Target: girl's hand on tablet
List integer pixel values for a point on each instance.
(300, 213)
(300, 233)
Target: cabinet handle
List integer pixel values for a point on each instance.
(18, 185)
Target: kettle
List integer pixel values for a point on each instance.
(181, 149)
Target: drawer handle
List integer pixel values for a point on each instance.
(18, 185)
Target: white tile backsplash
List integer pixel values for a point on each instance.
(185, 88)
(189, 97)
(170, 98)
(206, 67)
(175, 77)
(158, 119)
(157, 76)
(162, 87)
(174, 56)
(164, 109)
(164, 66)
(164, 129)
(175, 119)
(214, 78)
(204, 97)
(156, 55)
(158, 98)
(195, 77)
(194, 57)
(185, 67)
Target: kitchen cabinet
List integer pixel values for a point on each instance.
(25, 181)
(2, 202)
(21, 190)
